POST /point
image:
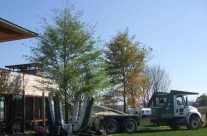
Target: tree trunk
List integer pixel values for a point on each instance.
(66, 108)
(76, 109)
(124, 82)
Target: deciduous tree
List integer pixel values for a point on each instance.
(126, 61)
(157, 80)
(67, 54)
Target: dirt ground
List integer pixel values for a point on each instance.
(204, 120)
(203, 116)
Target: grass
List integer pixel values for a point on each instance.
(168, 132)
(161, 131)
(202, 109)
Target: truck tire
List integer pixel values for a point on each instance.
(194, 123)
(111, 126)
(129, 126)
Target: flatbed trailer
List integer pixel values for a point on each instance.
(113, 121)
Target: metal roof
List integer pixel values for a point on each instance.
(175, 92)
(29, 68)
(183, 92)
(10, 31)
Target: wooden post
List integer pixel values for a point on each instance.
(23, 98)
(33, 109)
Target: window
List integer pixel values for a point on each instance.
(160, 101)
(180, 100)
(1, 109)
(18, 106)
(29, 108)
(38, 108)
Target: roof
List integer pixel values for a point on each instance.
(161, 93)
(30, 68)
(22, 66)
(183, 92)
(10, 31)
(175, 92)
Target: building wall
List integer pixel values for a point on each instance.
(16, 82)
(12, 102)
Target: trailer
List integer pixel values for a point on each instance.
(86, 123)
(113, 121)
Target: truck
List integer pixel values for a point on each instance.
(168, 109)
(164, 108)
(172, 109)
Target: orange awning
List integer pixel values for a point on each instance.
(10, 31)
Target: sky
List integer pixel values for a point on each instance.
(175, 29)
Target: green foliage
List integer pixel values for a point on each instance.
(67, 54)
(202, 109)
(202, 100)
(200, 132)
(124, 54)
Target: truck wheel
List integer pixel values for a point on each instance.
(129, 126)
(112, 126)
(194, 123)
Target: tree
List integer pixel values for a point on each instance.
(157, 80)
(126, 61)
(66, 53)
(202, 100)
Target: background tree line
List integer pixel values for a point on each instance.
(68, 53)
(201, 100)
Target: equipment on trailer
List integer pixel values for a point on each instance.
(57, 126)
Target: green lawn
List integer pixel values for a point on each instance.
(168, 132)
(202, 109)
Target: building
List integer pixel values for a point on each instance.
(21, 99)
(11, 32)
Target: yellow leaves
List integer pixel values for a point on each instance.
(134, 81)
(126, 61)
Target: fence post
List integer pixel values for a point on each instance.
(206, 120)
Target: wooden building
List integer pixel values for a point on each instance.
(21, 100)
(10, 32)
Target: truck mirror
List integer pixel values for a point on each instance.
(186, 100)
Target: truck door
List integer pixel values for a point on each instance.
(179, 106)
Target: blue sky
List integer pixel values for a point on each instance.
(175, 29)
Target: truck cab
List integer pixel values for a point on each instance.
(172, 109)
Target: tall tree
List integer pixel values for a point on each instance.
(66, 53)
(157, 80)
(126, 60)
